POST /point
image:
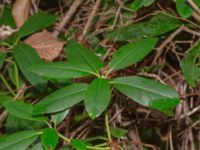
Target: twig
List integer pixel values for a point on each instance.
(171, 139)
(191, 31)
(194, 15)
(90, 18)
(171, 37)
(189, 113)
(67, 17)
(194, 6)
(168, 40)
(4, 114)
(117, 16)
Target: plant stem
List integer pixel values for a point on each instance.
(7, 85)
(64, 138)
(98, 148)
(108, 128)
(16, 73)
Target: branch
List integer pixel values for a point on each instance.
(67, 17)
(90, 18)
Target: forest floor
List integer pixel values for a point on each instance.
(104, 26)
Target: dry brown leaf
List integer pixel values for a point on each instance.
(48, 47)
(6, 31)
(20, 11)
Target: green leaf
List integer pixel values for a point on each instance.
(6, 18)
(118, 132)
(21, 110)
(97, 97)
(132, 53)
(148, 2)
(59, 117)
(25, 57)
(61, 99)
(49, 139)
(4, 97)
(184, 9)
(190, 65)
(15, 76)
(165, 107)
(147, 92)
(77, 53)
(35, 23)
(78, 144)
(2, 58)
(137, 4)
(16, 124)
(36, 147)
(60, 70)
(157, 25)
(18, 141)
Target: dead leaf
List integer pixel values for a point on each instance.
(20, 11)
(6, 31)
(48, 47)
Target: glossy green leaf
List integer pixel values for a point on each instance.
(21, 110)
(118, 132)
(132, 53)
(2, 58)
(157, 25)
(15, 124)
(25, 57)
(97, 97)
(77, 53)
(36, 147)
(137, 4)
(166, 107)
(78, 144)
(18, 141)
(59, 117)
(147, 92)
(35, 23)
(4, 97)
(61, 99)
(60, 70)
(148, 2)
(15, 76)
(184, 9)
(6, 17)
(190, 65)
(49, 138)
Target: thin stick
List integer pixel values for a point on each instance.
(90, 18)
(194, 6)
(194, 15)
(171, 37)
(117, 16)
(183, 116)
(67, 17)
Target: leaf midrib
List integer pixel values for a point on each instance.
(19, 140)
(60, 98)
(141, 88)
(65, 68)
(114, 66)
(90, 64)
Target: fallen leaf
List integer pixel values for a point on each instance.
(48, 47)
(20, 11)
(6, 31)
